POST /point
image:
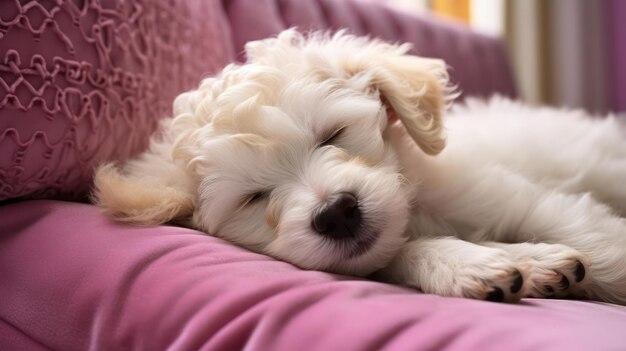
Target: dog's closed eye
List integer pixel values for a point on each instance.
(254, 197)
(332, 137)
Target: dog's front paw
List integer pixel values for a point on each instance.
(557, 271)
(490, 275)
(500, 280)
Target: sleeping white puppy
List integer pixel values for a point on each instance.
(330, 152)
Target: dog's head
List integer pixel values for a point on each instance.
(290, 153)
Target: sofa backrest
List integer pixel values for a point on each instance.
(86, 81)
(478, 64)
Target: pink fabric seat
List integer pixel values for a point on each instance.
(73, 280)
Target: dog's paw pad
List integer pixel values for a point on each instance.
(580, 271)
(505, 287)
(498, 295)
(504, 284)
(491, 275)
(548, 290)
(517, 283)
(495, 295)
(564, 283)
(558, 271)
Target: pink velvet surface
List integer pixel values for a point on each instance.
(86, 81)
(72, 280)
(478, 64)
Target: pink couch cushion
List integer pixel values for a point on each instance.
(73, 280)
(83, 81)
(478, 64)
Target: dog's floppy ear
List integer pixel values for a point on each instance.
(413, 89)
(145, 199)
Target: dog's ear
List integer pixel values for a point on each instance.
(144, 198)
(413, 90)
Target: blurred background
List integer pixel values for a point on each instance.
(564, 52)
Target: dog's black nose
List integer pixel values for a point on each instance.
(339, 217)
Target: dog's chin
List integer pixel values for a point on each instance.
(354, 247)
(363, 256)
(374, 245)
(368, 251)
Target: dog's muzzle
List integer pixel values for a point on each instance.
(341, 221)
(339, 217)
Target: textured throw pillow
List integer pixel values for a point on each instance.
(84, 81)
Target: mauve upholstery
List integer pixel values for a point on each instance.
(73, 280)
(478, 64)
(70, 279)
(86, 81)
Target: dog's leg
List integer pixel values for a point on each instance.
(554, 270)
(496, 204)
(583, 224)
(451, 267)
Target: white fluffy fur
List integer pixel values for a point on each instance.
(517, 191)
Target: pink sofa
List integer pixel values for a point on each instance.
(70, 279)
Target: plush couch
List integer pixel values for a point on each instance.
(84, 81)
